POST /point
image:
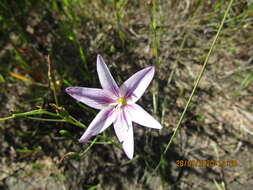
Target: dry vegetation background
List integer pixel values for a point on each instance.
(175, 36)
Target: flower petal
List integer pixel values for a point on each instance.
(105, 77)
(102, 120)
(140, 116)
(124, 130)
(136, 85)
(93, 97)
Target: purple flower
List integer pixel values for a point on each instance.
(116, 105)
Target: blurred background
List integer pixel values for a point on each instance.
(46, 46)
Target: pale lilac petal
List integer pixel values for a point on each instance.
(105, 77)
(102, 120)
(128, 143)
(124, 130)
(140, 116)
(93, 97)
(136, 85)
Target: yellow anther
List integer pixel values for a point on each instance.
(122, 101)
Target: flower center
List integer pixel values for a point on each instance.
(122, 101)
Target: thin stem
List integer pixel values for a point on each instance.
(51, 78)
(45, 119)
(7, 118)
(29, 113)
(75, 122)
(196, 84)
(88, 148)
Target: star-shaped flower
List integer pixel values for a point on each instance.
(117, 105)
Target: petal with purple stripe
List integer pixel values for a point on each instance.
(102, 120)
(136, 85)
(105, 77)
(124, 130)
(93, 97)
(140, 116)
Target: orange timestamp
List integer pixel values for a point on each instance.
(206, 163)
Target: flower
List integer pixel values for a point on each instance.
(117, 105)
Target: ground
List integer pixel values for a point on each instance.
(130, 35)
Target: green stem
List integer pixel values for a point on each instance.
(46, 119)
(52, 82)
(75, 122)
(88, 148)
(7, 118)
(196, 84)
(62, 118)
(29, 113)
